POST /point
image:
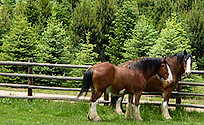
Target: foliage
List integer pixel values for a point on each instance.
(105, 11)
(83, 21)
(172, 39)
(32, 12)
(123, 29)
(63, 12)
(54, 48)
(19, 44)
(5, 17)
(157, 11)
(86, 54)
(94, 17)
(195, 20)
(144, 36)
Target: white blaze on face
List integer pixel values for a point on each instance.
(170, 73)
(188, 68)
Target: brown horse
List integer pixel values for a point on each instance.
(120, 81)
(179, 64)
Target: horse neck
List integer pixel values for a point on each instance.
(176, 67)
(149, 73)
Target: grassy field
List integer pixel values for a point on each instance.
(38, 112)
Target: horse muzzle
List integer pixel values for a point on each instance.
(168, 81)
(187, 74)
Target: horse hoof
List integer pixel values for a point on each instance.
(139, 119)
(168, 117)
(128, 117)
(119, 112)
(96, 119)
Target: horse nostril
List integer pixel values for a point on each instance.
(188, 73)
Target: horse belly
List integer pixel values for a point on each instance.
(126, 82)
(123, 84)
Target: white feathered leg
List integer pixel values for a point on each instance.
(93, 115)
(128, 113)
(137, 113)
(165, 111)
(118, 107)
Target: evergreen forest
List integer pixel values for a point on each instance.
(84, 32)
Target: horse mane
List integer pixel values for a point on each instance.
(180, 57)
(146, 63)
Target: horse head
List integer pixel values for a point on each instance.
(187, 62)
(164, 73)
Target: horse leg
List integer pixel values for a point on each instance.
(165, 111)
(93, 115)
(128, 113)
(118, 108)
(137, 106)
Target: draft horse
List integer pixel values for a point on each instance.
(179, 64)
(120, 81)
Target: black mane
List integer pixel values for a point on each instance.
(180, 57)
(146, 63)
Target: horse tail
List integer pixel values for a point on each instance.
(86, 82)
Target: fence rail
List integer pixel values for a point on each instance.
(42, 64)
(178, 94)
(42, 76)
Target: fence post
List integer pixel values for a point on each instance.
(106, 98)
(178, 97)
(30, 80)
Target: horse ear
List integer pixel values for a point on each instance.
(163, 60)
(193, 52)
(185, 52)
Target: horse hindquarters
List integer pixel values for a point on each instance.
(103, 76)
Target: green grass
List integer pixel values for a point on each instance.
(38, 112)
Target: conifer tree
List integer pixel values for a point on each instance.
(144, 36)
(123, 25)
(19, 44)
(54, 48)
(172, 39)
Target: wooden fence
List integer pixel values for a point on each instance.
(177, 94)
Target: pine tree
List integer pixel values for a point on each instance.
(123, 25)
(19, 44)
(144, 36)
(195, 21)
(55, 48)
(172, 39)
(86, 55)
